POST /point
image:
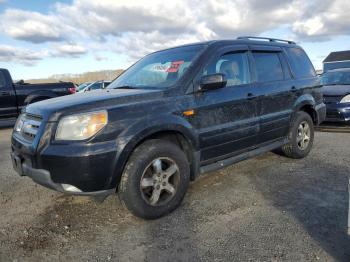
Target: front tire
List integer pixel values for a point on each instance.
(301, 136)
(155, 179)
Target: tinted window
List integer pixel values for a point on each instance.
(300, 63)
(2, 80)
(268, 67)
(234, 66)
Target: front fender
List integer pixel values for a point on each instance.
(128, 140)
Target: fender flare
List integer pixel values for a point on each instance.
(39, 94)
(138, 132)
(302, 101)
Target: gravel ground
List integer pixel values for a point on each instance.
(269, 208)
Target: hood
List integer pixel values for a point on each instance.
(93, 100)
(336, 90)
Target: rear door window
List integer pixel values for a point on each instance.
(268, 66)
(300, 63)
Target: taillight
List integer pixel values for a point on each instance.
(72, 90)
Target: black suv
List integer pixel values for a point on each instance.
(171, 116)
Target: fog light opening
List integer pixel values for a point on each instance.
(70, 188)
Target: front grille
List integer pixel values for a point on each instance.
(28, 126)
(332, 99)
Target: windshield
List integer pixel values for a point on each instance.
(82, 86)
(336, 78)
(159, 70)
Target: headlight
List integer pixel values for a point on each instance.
(19, 124)
(81, 126)
(345, 99)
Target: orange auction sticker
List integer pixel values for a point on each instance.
(174, 67)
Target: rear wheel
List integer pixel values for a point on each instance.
(301, 136)
(155, 179)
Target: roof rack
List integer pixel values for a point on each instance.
(267, 38)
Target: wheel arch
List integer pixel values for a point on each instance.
(306, 103)
(179, 133)
(38, 96)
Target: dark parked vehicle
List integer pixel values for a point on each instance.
(14, 96)
(336, 92)
(173, 115)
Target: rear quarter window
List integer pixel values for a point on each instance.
(300, 63)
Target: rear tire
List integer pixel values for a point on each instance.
(155, 179)
(301, 136)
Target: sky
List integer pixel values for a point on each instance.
(42, 38)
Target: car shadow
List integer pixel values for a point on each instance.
(318, 202)
(333, 128)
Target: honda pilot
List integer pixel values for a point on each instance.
(170, 117)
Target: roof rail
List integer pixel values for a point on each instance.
(266, 38)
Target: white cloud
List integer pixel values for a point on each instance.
(70, 50)
(138, 27)
(20, 55)
(323, 20)
(31, 26)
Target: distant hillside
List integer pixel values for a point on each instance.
(79, 78)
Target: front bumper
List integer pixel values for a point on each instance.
(79, 169)
(338, 112)
(43, 177)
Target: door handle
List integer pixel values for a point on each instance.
(4, 93)
(250, 96)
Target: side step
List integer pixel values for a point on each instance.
(232, 160)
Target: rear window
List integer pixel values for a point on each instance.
(300, 63)
(268, 67)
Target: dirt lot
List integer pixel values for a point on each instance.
(270, 208)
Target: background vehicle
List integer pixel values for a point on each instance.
(14, 96)
(96, 85)
(82, 86)
(173, 115)
(336, 92)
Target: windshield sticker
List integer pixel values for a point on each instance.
(174, 67)
(160, 68)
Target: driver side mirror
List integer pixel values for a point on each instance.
(213, 81)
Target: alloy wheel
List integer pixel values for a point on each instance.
(304, 135)
(159, 181)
